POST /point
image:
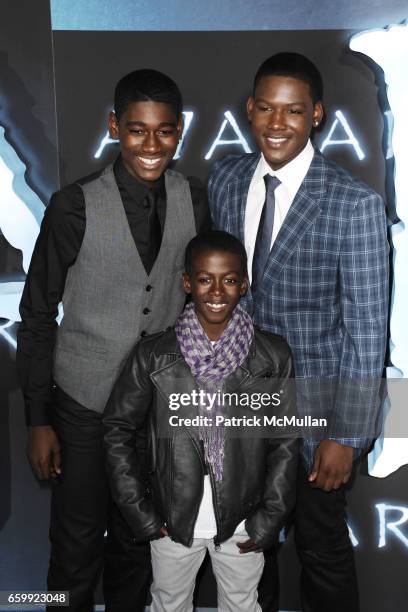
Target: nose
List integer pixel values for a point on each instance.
(216, 287)
(151, 143)
(276, 120)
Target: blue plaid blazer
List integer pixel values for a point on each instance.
(325, 286)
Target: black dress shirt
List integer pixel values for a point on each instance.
(56, 249)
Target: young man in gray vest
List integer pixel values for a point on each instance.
(111, 249)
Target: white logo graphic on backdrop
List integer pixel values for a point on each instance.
(21, 211)
(389, 49)
(339, 134)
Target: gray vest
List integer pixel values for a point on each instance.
(108, 298)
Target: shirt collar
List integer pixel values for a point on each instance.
(136, 190)
(293, 173)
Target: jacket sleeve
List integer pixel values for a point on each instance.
(216, 191)
(364, 267)
(280, 483)
(125, 441)
(202, 216)
(56, 249)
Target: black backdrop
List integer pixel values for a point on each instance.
(214, 71)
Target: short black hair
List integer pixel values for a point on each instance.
(296, 66)
(147, 85)
(214, 240)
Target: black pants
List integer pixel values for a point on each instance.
(328, 576)
(81, 511)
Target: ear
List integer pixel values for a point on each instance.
(318, 113)
(244, 287)
(113, 126)
(186, 282)
(180, 126)
(250, 108)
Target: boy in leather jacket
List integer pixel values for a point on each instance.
(178, 475)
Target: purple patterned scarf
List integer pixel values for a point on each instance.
(210, 364)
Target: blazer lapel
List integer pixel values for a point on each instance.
(302, 214)
(237, 199)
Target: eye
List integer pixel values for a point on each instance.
(136, 131)
(230, 281)
(203, 280)
(264, 108)
(168, 132)
(295, 111)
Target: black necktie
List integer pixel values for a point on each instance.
(264, 235)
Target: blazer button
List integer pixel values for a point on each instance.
(149, 288)
(143, 333)
(146, 310)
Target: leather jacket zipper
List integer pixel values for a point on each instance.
(216, 538)
(203, 467)
(198, 509)
(170, 492)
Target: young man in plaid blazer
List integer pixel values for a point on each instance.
(318, 259)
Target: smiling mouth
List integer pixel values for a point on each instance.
(149, 162)
(276, 141)
(216, 307)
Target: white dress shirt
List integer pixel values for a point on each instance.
(291, 177)
(206, 526)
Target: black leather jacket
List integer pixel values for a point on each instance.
(156, 472)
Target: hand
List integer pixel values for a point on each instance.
(333, 463)
(44, 452)
(163, 533)
(248, 546)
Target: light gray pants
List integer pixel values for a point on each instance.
(175, 569)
